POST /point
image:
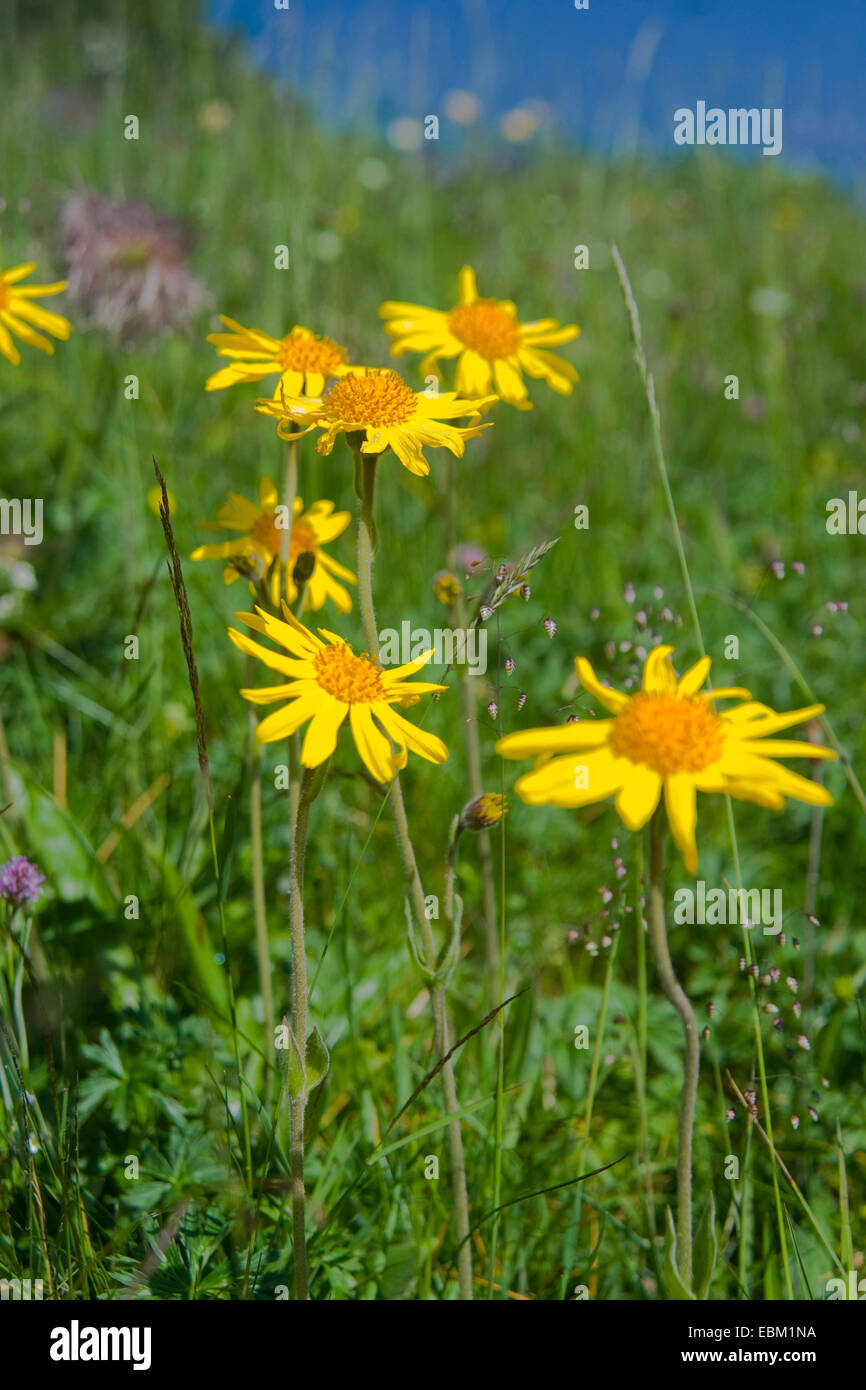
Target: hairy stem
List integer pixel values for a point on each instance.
(299, 1029)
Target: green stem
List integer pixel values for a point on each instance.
(365, 478)
(263, 950)
(299, 1028)
(678, 997)
(762, 1070)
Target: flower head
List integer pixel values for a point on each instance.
(378, 403)
(128, 266)
(667, 738)
(20, 881)
(489, 341)
(486, 810)
(302, 360)
(327, 682)
(18, 313)
(263, 530)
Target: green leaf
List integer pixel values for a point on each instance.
(677, 1290)
(293, 1064)
(318, 1059)
(706, 1250)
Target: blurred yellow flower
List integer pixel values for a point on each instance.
(489, 341)
(154, 501)
(378, 403)
(261, 541)
(667, 738)
(18, 313)
(447, 588)
(327, 682)
(302, 360)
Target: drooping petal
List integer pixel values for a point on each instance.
(321, 737)
(408, 735)
(636, 801)
(286, 720)
(682, 813)
(576, 780)
(372, 744)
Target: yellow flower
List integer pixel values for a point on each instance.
(447, 588)
(378, 403)
(262, 540)
(667, 737)
(489, 341)
(327, 682)
(154, 501)
(19, 313)
(302, 360)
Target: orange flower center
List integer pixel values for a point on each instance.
(375, 400)
(303, 352)
(485, 328)
(668, 733)
(265, 530)
(355, 680)
(4, 294)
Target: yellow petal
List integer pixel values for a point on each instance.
(286, 720)
(695, 677)
(468, 290)
(611, 699)
(321, 737)
(682, 812)
(372, 745)
(576, 780)
(659, 676)
(637, 800)
(564, 738)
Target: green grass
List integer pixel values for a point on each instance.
(136, 1009)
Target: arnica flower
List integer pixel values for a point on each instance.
(669, 738)
(378, 403)
(302, 360)
(18, 313)
(328, 681)
(489, 341)
(20, 881)
(261, 542)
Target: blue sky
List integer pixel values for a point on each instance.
(612, 74)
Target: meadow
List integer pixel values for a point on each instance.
(146, 1145)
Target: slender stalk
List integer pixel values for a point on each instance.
(297, 1104)
(762, 1070)
(678, 997)
(365, 477)
(658, 449)
(263, 950)
(290, 492)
